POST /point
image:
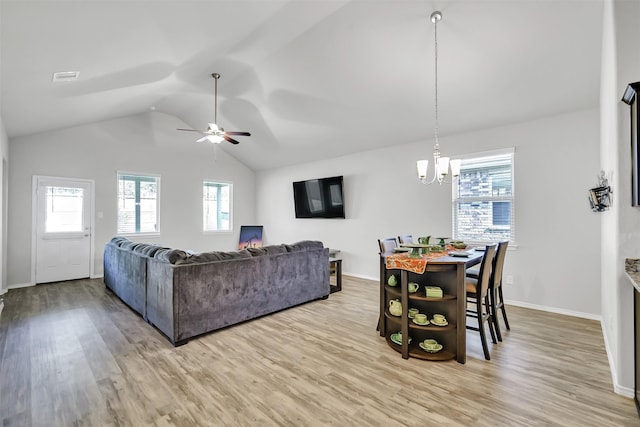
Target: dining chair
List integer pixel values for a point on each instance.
(405, 238)
(495, 291)
(478, 295)
(387, 245)
(386, 248)
(495, 287)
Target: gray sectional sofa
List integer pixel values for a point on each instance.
(185, 295)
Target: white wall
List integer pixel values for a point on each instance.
(146, 143)
(620, 226)
(557, 263)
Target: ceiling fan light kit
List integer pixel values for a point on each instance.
(214, 133)
(440, 164)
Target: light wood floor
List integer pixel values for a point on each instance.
(73, 354)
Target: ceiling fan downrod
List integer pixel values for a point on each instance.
(216, 76)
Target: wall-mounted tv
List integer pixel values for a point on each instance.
(319, 198)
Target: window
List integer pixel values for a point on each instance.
(65, 211)
(216, 206)
(483, 199)
(138, 203)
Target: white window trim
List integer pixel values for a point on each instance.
(504, 151)
(219, 181)
(158, 180)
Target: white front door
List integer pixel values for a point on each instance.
(63, 227)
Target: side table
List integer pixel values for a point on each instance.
(335, 267)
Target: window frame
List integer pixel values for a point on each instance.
(455, 199)
(158, 192)
(205, 182)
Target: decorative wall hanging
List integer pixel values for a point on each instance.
(600, 196)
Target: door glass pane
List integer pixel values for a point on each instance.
(64, 209)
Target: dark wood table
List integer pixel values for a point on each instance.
(434, 269)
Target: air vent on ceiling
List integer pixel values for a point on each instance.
(65, 76)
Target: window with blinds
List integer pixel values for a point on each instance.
(483, 199)
(216, 206)
(138, 203)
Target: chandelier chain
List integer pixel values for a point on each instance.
(440, 164)
(435, 33)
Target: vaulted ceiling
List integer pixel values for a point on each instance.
(310, 79)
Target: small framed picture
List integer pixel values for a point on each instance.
(250, 236)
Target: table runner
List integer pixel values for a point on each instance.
(403, 261)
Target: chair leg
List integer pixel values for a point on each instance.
(504, 312)
(489, 319)
(483, 335)
(494, 315)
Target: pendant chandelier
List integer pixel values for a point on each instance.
(441, 164)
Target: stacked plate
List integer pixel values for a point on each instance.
(434, 291)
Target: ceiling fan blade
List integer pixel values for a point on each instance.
(238, 133)
(203, 139)
(192, 130)
(231, 140)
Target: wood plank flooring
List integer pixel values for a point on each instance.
(72, 354)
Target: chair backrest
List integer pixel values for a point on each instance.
(498, 264)
(405, 238)
(387, 245)
(485, 271)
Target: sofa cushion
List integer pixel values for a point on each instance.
(214, 256)
(119, 240)
(171, 256)
(147, 249)
(304, 245)
(268, 250)
(129, 245)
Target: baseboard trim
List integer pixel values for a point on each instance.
(555, 310)
(361, 276)
(617, 388)
(21, 285)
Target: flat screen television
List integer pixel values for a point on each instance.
(319, 198)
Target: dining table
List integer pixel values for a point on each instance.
(445, 268)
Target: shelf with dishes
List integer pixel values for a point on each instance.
(427, 349)
(395, 291)
(437, 322)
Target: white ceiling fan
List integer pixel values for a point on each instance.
(214, 133)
